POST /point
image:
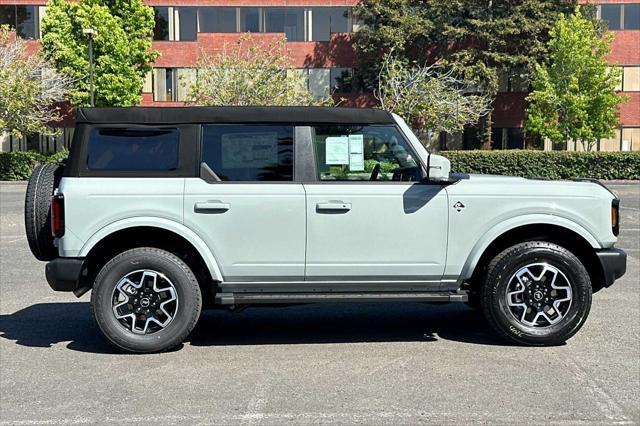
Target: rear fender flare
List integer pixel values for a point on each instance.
(156, 222)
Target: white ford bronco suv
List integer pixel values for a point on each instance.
(161, 211)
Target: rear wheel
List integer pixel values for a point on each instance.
(536, 293)
(146, 300)
(37, 210)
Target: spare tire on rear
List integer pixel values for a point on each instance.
(37, 210)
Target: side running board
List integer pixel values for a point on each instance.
(284, 298)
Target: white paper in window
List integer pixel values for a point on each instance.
(337, 150)
(249, 150)
(356, 153)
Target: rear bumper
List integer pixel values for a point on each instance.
(63, 273)
(614, 264)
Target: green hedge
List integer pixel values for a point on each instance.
(547, 164)
(18, 165)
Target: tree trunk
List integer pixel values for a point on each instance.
(488, 130)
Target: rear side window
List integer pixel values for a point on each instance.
(133, 149)
(246, 153)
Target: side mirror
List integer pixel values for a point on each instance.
(438, 168)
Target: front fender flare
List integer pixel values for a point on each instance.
(157, 222)
(505, 226)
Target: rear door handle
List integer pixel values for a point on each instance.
(213, 206)
(333, 206)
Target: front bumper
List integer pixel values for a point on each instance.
(614, 264)
(64, 273)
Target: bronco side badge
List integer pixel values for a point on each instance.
(458, 206)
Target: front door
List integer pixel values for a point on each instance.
(368, 216)
(249, 211)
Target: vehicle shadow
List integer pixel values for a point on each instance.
(46, 324)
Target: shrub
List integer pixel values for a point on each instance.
(547, 164)
(18, 165)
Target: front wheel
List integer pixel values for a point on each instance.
(146, 300)
(536, 293)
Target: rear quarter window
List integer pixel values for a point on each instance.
(249, 153)
(133, 149)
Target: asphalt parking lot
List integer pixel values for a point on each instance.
(371, 364)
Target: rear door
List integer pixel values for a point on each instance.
(253, 217)
(369, 218)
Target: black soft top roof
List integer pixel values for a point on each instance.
(232, 114)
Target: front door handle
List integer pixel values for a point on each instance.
(333, 207)
(213, 206)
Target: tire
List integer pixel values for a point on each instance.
(527, 271)
(37, 210)
(172, 272)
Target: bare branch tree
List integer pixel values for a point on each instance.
(251, 72)
(429, 97)
(30, 88)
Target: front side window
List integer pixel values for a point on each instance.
(248, 153)
(364, 153)
(133, 149)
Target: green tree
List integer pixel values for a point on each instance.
(574, 95)
(122, 47)
(30, 89)
(251, 72)
(479, 40)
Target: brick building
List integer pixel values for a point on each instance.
(318, 38)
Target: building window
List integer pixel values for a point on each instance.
(630, 139)
(620, 16)
(512, 81)
(297, 23)
(173, 84)
(631, 78)
(162, 29)
(22, 18)
(328, 20)
(163, 84)
(341, 80)
(632, 16)
(250, 19)
(289, 21)
(187, 23)
(217, 19)
(611, 14)
(507, 138)
(340, 20)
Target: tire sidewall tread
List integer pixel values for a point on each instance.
(499, 272)
(187, 289)
(37, 210)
